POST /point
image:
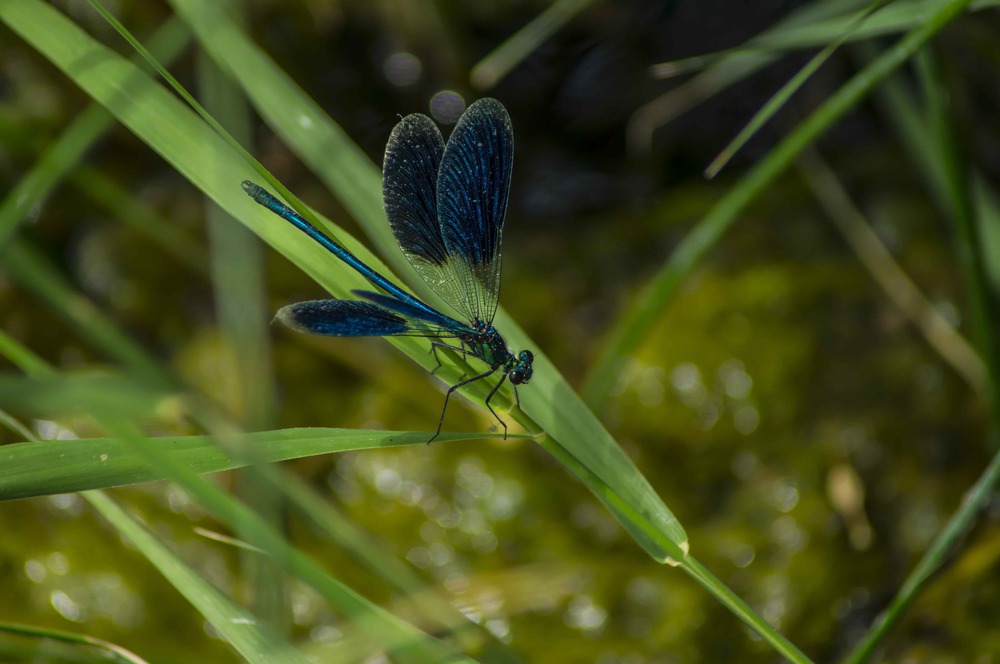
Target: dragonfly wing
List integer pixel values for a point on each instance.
(473, 183)
(352, 318)
(409, 190)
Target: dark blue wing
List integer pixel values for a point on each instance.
(409, 191)
(472, 188)
(350, 318)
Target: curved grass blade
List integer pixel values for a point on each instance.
(384, 630)
(28, 469)
(812, 27)
(252, 639)
(83, 392)
(66, 152)
(498, 63)
(110, 651)
(776, 102)
(301, 123)
(940, 334)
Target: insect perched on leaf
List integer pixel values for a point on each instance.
(446, 206)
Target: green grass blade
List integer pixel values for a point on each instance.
(940, 550)
(35, 273)
(406, 643)
(864, 241)
(88, 127)
(28, 469)
(131, 210)
(109, 651)
(812, 27)
(304, 126)
(781, 97)
(491, 69)
(253, 640)
(632, 328)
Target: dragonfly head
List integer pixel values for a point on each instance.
(521, 373)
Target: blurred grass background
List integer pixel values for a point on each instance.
(810, 436)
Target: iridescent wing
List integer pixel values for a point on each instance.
(446, 204)
(355, 318)
(409, 190)
(472, 188)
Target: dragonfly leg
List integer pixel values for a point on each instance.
(437, 344)
(455, 387)
(490, 396)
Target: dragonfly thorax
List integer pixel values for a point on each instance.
(490, 347)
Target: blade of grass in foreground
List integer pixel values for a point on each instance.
(252, 639)
(632, 328)
(384, 630)
(67, 466)
(240, 628)
(57, 466)
(109, 651)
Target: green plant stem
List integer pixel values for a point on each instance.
(731, 601)
(86, 129)
(491, 69)
(781, 97)
(975, 500)
(29, 267)
(955, 169)
(677, 558)
(111, 652)
(887, 273)
(649, 303)
(954, 173)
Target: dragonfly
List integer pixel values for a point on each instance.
(446, 205)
